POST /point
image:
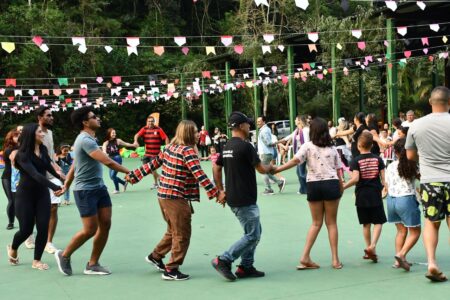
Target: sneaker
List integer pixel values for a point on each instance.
(268, 191)
(281, 184)
(50, 248)
(96, 269)
(243, 272)
(158, 263)
(29, 243)
(63, 263)
(174, 274)
(10, 226)
(224, 268)
(125, 186)
(116, 192)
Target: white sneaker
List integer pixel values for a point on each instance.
(115, 192)
(29, 243)
(50, 248)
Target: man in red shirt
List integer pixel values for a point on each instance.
(153, 137)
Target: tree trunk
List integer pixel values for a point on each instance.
(266, 97)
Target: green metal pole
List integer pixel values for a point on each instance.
(392, 86)
(183, 101)
(291, 87)
(228, 104)
(334, 87)
(434, 75)
(361, 91)
(205, 106)
(256, 96)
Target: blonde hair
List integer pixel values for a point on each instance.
(185, 133)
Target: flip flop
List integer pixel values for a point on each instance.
(40, 266)
(13, 261)
(308, 266)
(338, 267)
(402, 263)
(370, 255)
(436, 276)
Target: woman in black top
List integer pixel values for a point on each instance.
(10, 144)
(372, 126)
(111, 147)
(32, 196)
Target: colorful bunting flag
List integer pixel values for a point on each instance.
(392, 5)
(357, 33)
(185, 50)
(8, 46)
(158, 50)
(210, 50)
(434, 27)
(266, 49)
(312, 47)
(313, 36)
(239, 49)
(362, 45)
(10, 82)
(425, 41)
(263, 2)
(421, 4)
(268, 38)
(180, 40)
(303, 4)
(281, 48)
(63, 81)
(402, 30)
(226, 40)
(37, 40)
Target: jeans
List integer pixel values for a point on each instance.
(245, 248)
(113, 174)
(265, 160)
(301, 174)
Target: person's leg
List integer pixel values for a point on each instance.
(165, 244)
(101, 236)
(42, 215)
(253, 228)
(411, 240)
(331, 208)
(155, 177)
(375, 236)
(367, 235)
(430, 241)
(25, 213)
(53, 222)
(113, 176)
(265, 160)
(400, 237)
(6, 183)
(90, 225)
(301, 173)
(317, 214)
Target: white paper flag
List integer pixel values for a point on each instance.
(180, 40)
(303, 4)
(392, 5)
(434, 27)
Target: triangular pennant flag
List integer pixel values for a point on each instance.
(434, 27)
(362, 45)
(131, 50)
(226, 40)
(79, 41)
(425, 50)
(407, 54)
(45, 92)
(44, 47)
(180, 40)
(108, 49)
(56, 92)
(313, 36)
(357, 33)
(116, 79)
(63, 81)
(31, 92)
(232, 72)
(306, 66)
(392, 5)
(159, 50)
(443, 55)
(274, 69)
(402, 30)
(339, 46)
(320, 76)
(425, 41)
(99, 79)
(185, 50)
(265, 49)
(444, 39)
(263, 2)
(83, 92)
(421, 4)
(8, 46)
(17, 93)
(268, 38)
(210, 50)
(313, 65)
(37, 40)
(82, 48)
(10, 82)
(281, 48)
(386, 43)
(303, 4)
(133, 41)
(312, 47)
(206, 74)
(239, 49)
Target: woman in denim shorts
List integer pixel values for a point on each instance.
(403, 208)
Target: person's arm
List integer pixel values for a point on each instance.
(125, 144)
(345, 132)
(217, 175)
(290, 164)
(410, 146)
(164, 136)
(136, 175)
(266, 138)
(354, 180)
(376, 138)
(27, 166)
(70, 176)
(264, 169)
(102, 158)
(105, 144)
(137, 135)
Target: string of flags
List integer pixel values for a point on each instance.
(113, 90)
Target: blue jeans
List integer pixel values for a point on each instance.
(301, 174)
(113, 174)
(245, 248)
(266, 159)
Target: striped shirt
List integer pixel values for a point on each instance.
(181, 174)
(153, 138)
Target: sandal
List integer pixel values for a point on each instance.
(40, 266)
(338, 267)
(435, 275)
(307, 266)
(370, 255)
(13, 261)
(402, 263)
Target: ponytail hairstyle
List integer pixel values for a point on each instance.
(407, 169)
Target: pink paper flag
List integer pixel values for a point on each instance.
(206, 74)
(425, 41)
(320, 76)
(226, 40)
(99, 79)
(83, 92)
(284, 79)
(42, 102)
(117, 79)
(425, 50)
(159, 50)
(38, 40)
(306, 66)
(185, 50)
(407, 54)
(239, 49)
(312, 47)
(362, 45)
(232, 72)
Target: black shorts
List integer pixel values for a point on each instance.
(89, 201)
(323, 190)
(371, 215)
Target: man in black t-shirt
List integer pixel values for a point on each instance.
(239, 159)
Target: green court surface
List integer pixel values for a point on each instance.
(138, 226)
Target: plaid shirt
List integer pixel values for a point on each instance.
(180, 176)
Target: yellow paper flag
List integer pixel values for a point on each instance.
(210, 50)
(8, 46)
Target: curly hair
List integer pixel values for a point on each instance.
(9, 139)
(407, 169)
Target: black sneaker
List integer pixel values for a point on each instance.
(268, 192)
(63, 263)
(174, 274)
(224, 268)
(10, 226)
(243, 272)
(158, 263)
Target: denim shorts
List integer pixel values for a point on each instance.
(89, 201)
(403, 210)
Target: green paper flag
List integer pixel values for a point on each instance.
(61, 97)
(313, 65)
(69, 104)
(63, 81)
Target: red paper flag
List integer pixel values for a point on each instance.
(117, 79)
(407, 54)
(206, 74)
(11, 82)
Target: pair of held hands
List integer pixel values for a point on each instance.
(220, 198)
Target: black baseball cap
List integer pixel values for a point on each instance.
(237, 118)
